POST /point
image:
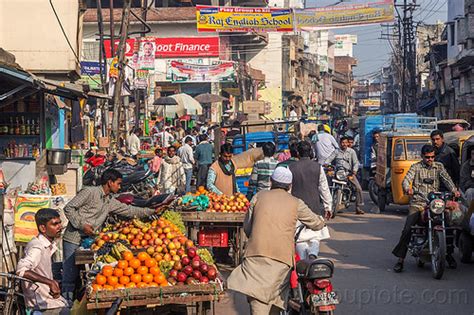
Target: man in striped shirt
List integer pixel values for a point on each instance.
(262, 171)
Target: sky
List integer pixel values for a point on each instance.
(372, 53)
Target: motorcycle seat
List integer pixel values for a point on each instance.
(315, 268)
(136, 177)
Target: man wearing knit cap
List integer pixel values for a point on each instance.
(270, 225)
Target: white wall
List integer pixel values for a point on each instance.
(30, 31)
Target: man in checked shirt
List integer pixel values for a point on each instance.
(86, 213)
(425, 177)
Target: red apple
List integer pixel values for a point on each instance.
(188, 270)
(185, 260)
(196, 274)
(182, 277)
(204, 268)
(191, 252)
(212, 273)
(204, 280)
(173, 273)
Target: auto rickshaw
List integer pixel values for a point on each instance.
(398, 149)
(456, 139)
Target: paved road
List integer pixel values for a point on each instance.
(361, 248)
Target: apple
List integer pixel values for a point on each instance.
(126, 230)
(204, 268)
(172, 280)
(196, 264)
(189, 244)
(173, 273)
(196, 274)
(212, 273)
(176, 258)
(191, 252)
(180, 252)
(191, 280)
(181, 277)
(158, 241)
(150, 251)
(204, 280)
(188, 270)
(134, 231)
(106, 238)
(185, 260)
(178, 266)
(162, 236)
(144, 242)
(167, 257)
(135, 242)
(166, 230)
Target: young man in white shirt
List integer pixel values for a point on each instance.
(187, 158)
(44, 295)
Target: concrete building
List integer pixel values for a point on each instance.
(30, 31)
(344, 45)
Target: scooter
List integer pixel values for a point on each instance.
(312, 291)
(341, 188)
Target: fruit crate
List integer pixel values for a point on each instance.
(213, 237)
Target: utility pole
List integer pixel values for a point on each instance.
(435, 68)
(104, 106)
(112, 27)
(117, 100)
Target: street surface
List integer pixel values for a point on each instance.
(360, 247)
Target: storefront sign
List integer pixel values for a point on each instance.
(175, 47)
(345, 15)
(254, 107)
(242, 19)
(369, 103)
(187, 72)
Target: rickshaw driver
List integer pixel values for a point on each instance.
(425, 177)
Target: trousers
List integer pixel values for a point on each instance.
(260, 308)
(203, 169)
(359, 198)
(70, 271)
(188, 172)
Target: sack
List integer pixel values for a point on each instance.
(248, 158)
(308, 234)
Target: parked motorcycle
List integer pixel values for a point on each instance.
(153, 202)
(341, 189)
(428, 240)
(313, 291)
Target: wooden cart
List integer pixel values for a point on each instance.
(196, 221)
(202, 297)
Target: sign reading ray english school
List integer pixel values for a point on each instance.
(345, 15)
(243, 19)
(175, 47)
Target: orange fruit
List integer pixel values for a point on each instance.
(119, 286)
(128, 271)
(135, 263)
(142, 270)
(112, 280)
(96, 287)
(164, 284)
(136, 278)
(101, 280)
(142, 285)
(150, 262)
(107, 271)
(127, 255)
(142, 256)
(201, 189)
(155, 271)
(124, 280)
(160, 278)
(153, 284)
(107, 287)
(131, 285)
(118, 272)
(122, 264)
(148, 278)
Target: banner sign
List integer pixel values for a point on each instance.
(175, 47)
(369, 103)
(345, 15)
(243, 19)
(187, 72)
(113, 68)
(25, 210)
(141, 79)
(146, 54)
(90, 74)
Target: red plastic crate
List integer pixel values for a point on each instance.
(213, 237)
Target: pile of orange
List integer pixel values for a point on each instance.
(140, 271)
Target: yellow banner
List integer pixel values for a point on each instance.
(345, 15)
(243, 19)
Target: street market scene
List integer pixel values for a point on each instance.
(236, 157)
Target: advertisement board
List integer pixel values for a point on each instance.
(90, 73)
(369, 103)
(175, 47)
(345, 15)
(188, 72)
(243, 19)
(26, 207)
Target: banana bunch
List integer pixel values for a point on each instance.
(117, 250)
(140, 224)
(107, 258)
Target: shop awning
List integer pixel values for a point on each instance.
(15, 83)
(64, 89)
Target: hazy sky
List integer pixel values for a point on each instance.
(373, 52)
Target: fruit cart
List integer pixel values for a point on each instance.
(201, 297)
(217, 229)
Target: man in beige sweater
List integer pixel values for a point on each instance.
(270, 224)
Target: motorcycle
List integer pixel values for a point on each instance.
(153, 202)
(428, 239)
(373, 188)
(312, 290)
(341, 189)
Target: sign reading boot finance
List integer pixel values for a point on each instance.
(243, 19)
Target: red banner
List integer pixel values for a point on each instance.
(175, 47)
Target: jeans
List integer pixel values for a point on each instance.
(359, 199)
(304, 249)
(202, 175)
(189, 174)
(70, 271)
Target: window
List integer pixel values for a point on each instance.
(414, 149)
(399, 151)
(452, 34)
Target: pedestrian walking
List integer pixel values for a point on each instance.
(204, 157)
(185, 152)
(172, 178)
(133, 142)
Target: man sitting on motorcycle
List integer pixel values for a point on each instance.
(346, 158)
(425, 177)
